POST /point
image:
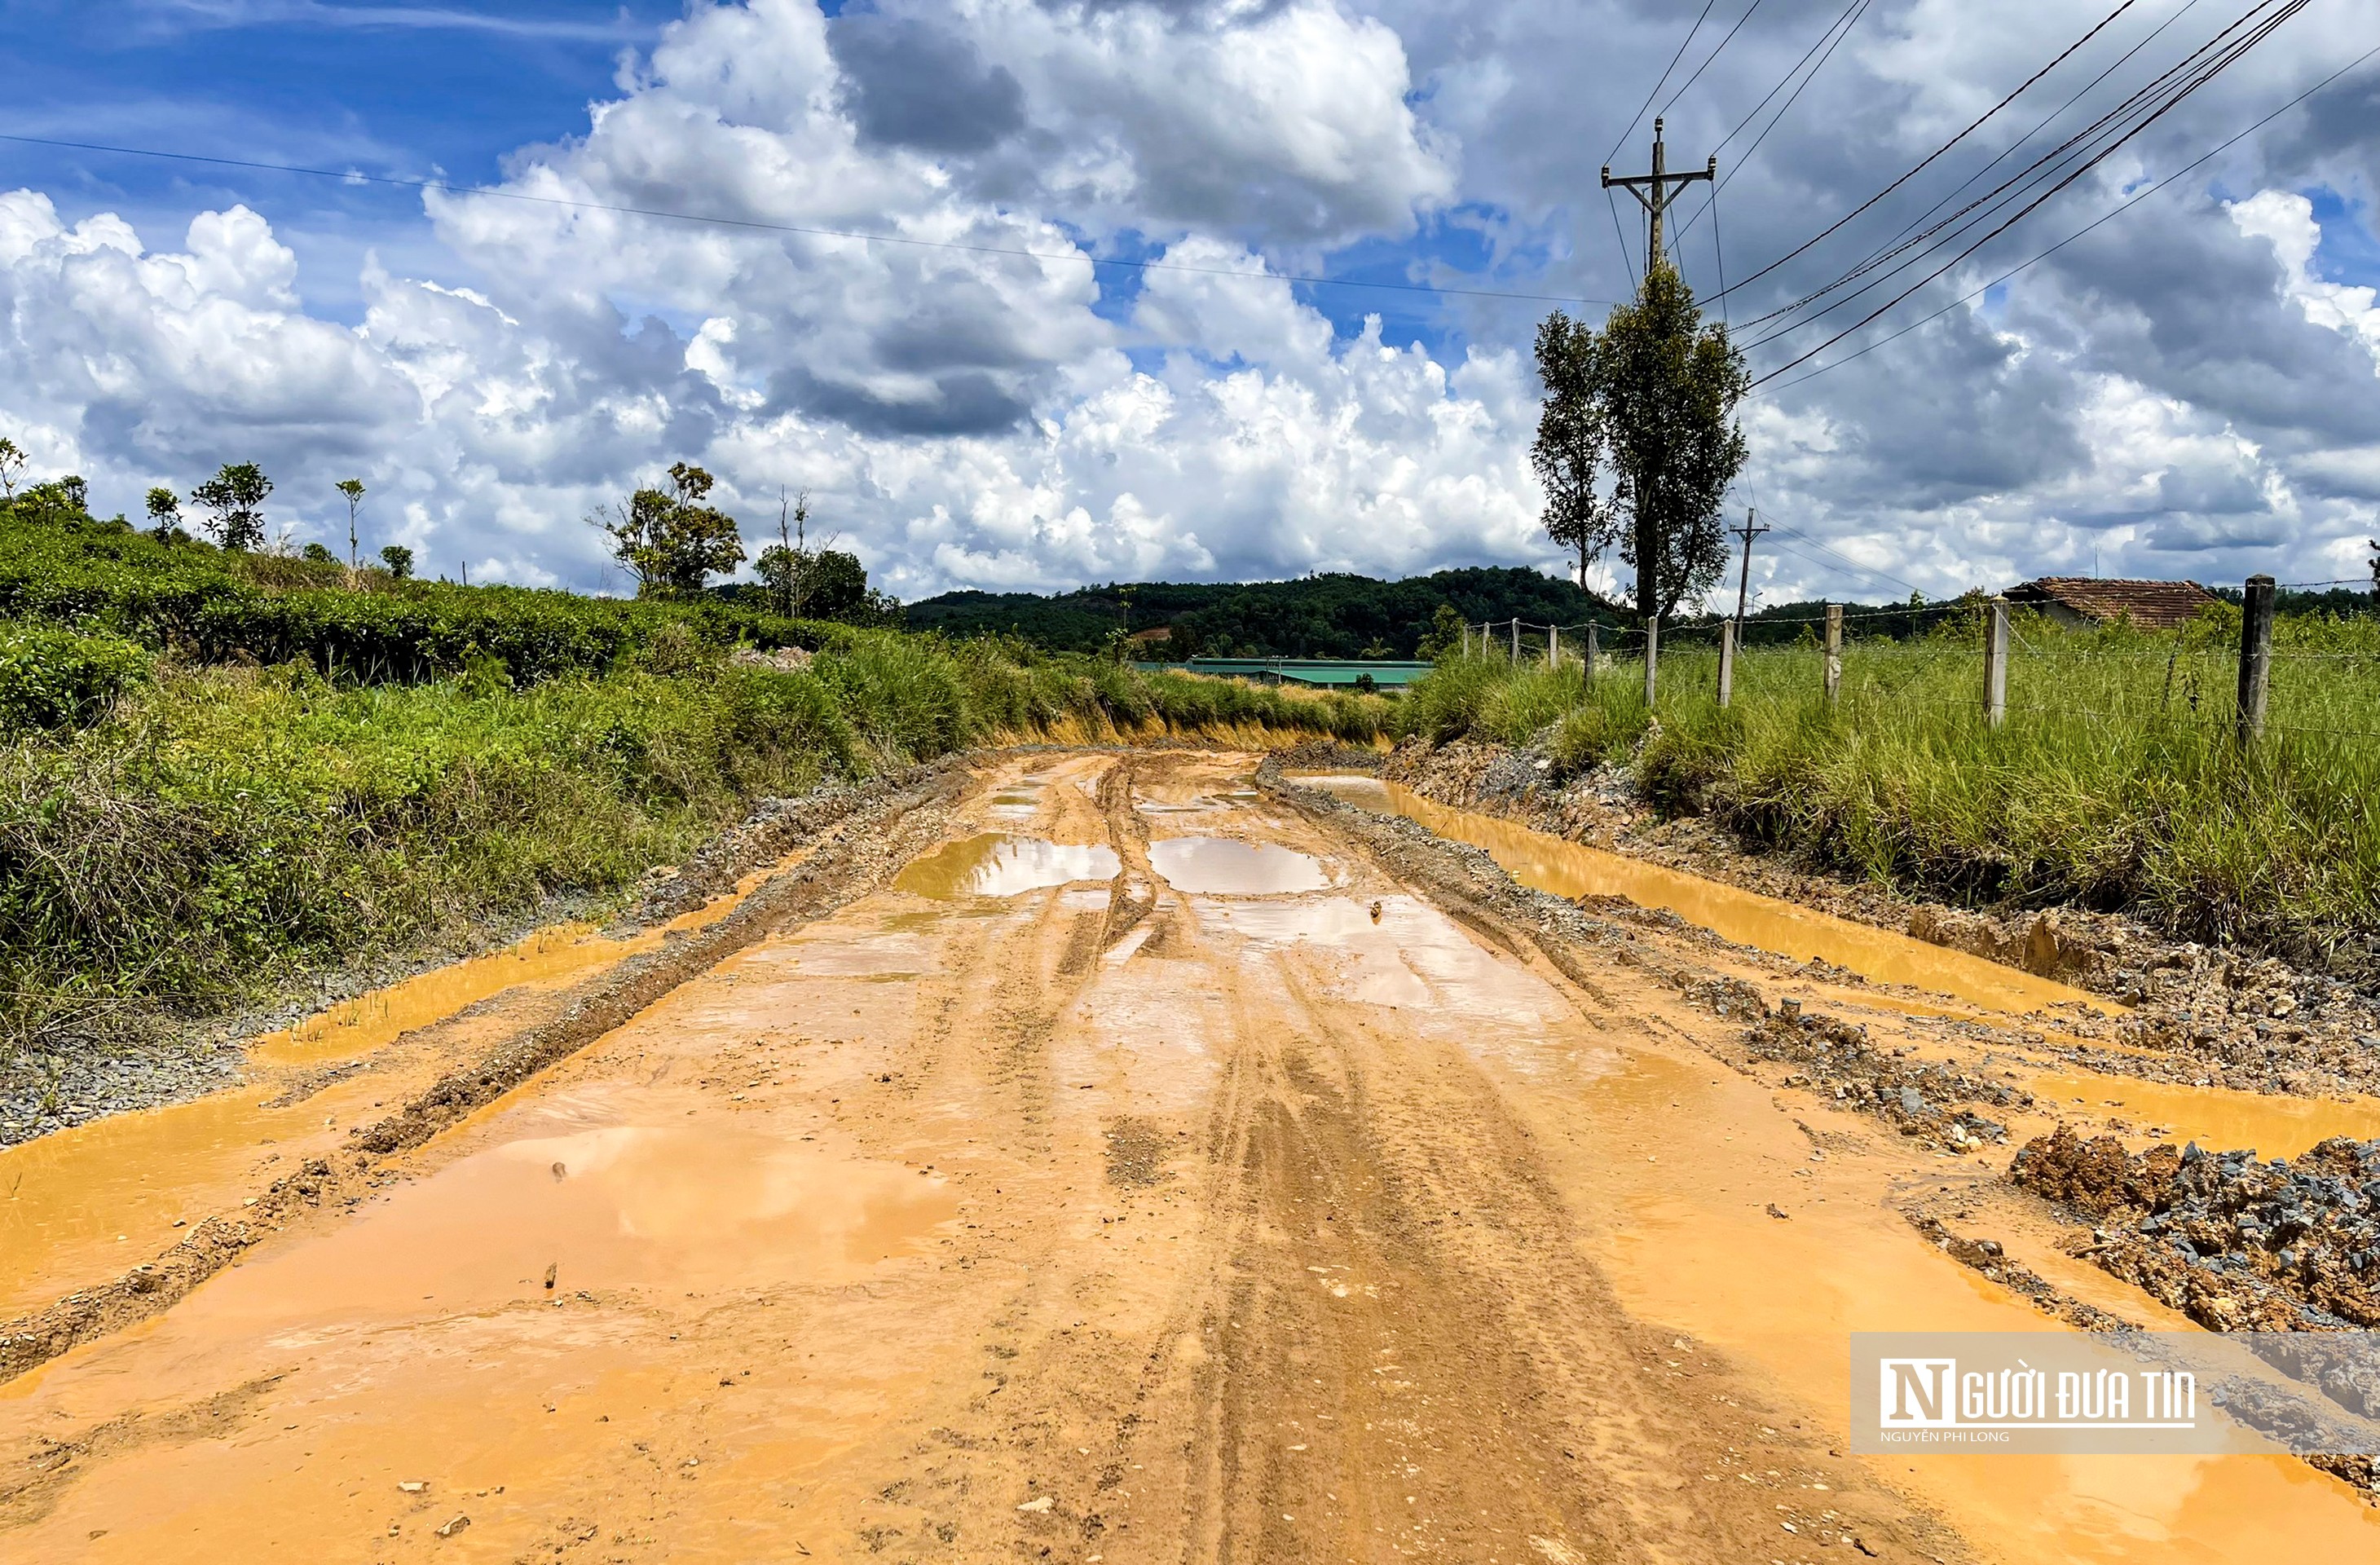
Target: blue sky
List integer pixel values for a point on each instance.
(971, 428)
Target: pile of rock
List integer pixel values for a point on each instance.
(1931, 1100)
(2233, 1241)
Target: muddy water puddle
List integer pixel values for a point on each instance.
(96, 1199)
(1229, 867)
(998, 865)
(628, 1206)
(2219, 1119)
(1680, 1160)
(1570, 869)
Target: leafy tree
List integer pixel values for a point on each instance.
(55, 500)
(399, 560)
(1445, 634)
(1569, 453)
(354, 491)
(12, 468)
(1668, 388)
(234, 496)
(672, 542)
(164, 513)
(321, 555)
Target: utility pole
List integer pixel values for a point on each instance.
(1658, 183)
(1743, 583)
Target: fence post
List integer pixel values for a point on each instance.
(1553, 646)
(1593, 636)
(1726, 660)
(1834, 653)
(1516, 638)
(2255, 657)
(1652, 656)
(1996, 644)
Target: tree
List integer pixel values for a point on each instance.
(1668, 388)
(319, 554)
(354, 490)
(1446, 634)
(672, 542)
(399, 560)
(1569, 453)
(235, 497)
(12, 468)
(164, 513)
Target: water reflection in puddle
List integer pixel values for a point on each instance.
(997, 865)
(1571, 870)
(611, 1206)
(1227, 866)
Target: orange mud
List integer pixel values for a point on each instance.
(1571, 870)
(1105, 1220)
(2217, 1118)
(83, 1205)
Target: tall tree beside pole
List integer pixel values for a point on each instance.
(1669, 387)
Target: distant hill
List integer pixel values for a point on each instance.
(1318, 616)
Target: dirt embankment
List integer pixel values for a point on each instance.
(2197, 1014)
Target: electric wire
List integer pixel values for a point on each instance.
(1928, 160)
(2164, 183)
(1680, 54)
(2149, 104)
(1671, 101)
(2227, 57)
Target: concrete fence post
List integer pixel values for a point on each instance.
(1834, 654)
(1725, 662)
(2255, 657)
(1996, 648)
(1516, 638)
(1652, 656)
(1593, 636)
(1553, 646)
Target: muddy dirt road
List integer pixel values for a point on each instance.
(1153, 1169)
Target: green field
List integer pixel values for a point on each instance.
(2116, 782)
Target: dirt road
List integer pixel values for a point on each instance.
(1153, 1170)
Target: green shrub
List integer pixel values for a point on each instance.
(52, 678)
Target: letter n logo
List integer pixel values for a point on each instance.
(1916, 1393)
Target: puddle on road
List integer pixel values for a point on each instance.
(997, 865)
(1227, 867)
(2219, 1119)
(66, 1197)
(1679, 1160)
(1570, 869)
(618, 1206)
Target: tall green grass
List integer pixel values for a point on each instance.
(183, 842)
(2116, 782)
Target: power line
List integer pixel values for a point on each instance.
(1858, 11)
(1648, 103)
(351, 176)
(1672, 100)
(2164, 183)
(1926, 161)
(2160, 95)
(2228, 57)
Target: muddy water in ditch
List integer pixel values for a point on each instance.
(2217, 1117)
(1227, 866)
(1570, 869)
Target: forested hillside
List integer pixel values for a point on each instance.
(1320, 616)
